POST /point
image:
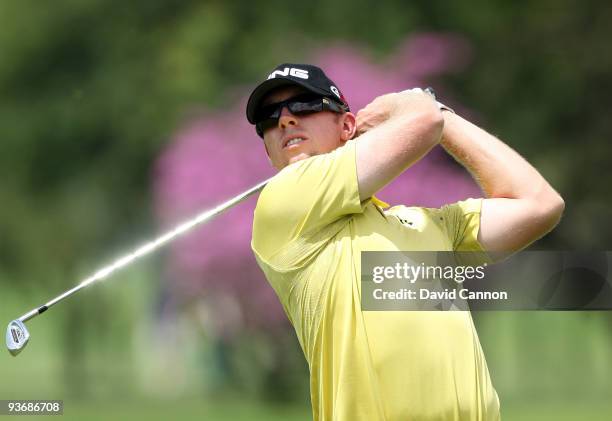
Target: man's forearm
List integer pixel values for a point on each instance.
(521, 206)
(398, 130)
(498, 169)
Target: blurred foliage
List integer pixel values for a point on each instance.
(90, 91)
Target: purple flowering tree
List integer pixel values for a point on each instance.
(219, 155)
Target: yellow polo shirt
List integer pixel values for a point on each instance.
(309, 230)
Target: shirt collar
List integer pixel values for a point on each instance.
(379, 202)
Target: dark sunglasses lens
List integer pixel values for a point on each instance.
(303, 107)
(267, 116)
(267, 124)
(298, 104)
(266, 112)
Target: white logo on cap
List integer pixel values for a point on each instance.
(335, 90)
(303, 74)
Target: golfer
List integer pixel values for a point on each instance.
(319, 213)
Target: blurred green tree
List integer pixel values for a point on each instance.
(91, 90)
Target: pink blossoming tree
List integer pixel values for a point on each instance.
(219, 155)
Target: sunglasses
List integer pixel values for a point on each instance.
(267, 116)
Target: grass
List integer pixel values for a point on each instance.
(558, 411)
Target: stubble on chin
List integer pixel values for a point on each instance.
(299, 157)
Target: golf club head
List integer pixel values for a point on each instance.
(17, 336)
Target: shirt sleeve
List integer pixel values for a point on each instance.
(304, 198)
(461, 222)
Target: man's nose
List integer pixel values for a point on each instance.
(286, 119)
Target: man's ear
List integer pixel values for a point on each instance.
(349, 127)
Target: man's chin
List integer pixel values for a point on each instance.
(299, 157)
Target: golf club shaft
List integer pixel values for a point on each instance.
(147, 248)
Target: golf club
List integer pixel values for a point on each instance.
(17, 335)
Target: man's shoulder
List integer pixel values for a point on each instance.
(303, 198)
(302, 179)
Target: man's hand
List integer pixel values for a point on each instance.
(391, 105)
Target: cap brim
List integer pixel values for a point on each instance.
(269, 85)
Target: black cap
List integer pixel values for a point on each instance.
(306, 75)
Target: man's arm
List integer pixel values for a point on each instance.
(520, 206)
(395, 131)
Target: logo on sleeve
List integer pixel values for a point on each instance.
(295, 72)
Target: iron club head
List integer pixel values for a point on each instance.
(17, 336)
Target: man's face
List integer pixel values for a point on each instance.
(320, 132)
